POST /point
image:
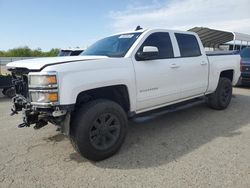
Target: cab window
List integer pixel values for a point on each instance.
(188, 45)
(162, 41)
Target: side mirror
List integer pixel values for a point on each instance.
(148, 53)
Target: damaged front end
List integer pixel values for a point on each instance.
(37, 96)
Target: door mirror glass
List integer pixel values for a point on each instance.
(148, 53)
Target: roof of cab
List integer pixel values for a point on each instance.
(154, 29)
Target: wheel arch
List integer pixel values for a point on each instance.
(117, 93)
(227, 74)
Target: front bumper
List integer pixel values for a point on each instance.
(38, 113)
(41, 115)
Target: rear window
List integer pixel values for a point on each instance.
(188, 45)
(245, 53)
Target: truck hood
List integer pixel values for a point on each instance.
(40, 63)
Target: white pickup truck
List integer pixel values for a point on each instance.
(91, 96)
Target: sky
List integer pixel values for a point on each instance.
(50, 24)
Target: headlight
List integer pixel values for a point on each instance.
(42, 81)
(44, 96)
(43, 88)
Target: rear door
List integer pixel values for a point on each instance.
(193, 64)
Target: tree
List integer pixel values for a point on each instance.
(27, 52)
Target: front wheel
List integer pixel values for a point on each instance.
(9, 92)
(99, 129)
(221, 98)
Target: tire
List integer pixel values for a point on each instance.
(10, 92)
(98, 129)
(221, 98)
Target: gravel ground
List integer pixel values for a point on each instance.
(192, 147)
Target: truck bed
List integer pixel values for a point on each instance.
(221, 62)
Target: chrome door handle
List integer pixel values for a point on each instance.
(203, 63)
(173, 65)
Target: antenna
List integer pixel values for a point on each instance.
(138, 28)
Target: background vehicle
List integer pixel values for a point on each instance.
(245, 66)
(91, 96)
(7, 86)
(6, 83)
(70, 52)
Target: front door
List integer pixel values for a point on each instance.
(157, 79)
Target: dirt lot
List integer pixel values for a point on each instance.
(193, 147)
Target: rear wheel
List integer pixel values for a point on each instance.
(221, 98)
(99, 129)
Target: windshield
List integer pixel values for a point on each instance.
(245, 53)
(114, 46)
